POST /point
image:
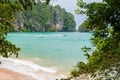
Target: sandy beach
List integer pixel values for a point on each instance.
(6, 74)
(19, 69)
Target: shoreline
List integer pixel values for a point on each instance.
(6, 74)
(19, 69)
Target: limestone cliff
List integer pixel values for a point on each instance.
(44, 17)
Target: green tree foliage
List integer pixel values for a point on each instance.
(8, 9)
(52, 29)
(104, 19)
(43, 17)
(69, 22)
(84, 27)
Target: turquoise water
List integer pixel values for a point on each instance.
(61, 50)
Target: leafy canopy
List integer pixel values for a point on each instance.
(43, 17)
(84, 27)
(104, 18)
(8, 9)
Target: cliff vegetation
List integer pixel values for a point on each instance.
(44, 18)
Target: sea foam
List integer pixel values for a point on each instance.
(57, 35)
(29, 68)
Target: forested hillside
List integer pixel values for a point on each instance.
(84, 27)
(44, 18)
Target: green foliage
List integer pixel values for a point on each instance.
(23, 29)
(52, 29)
(84, 27)
(86, 50)
(69, 22)
(8, 9)
(7, 48)
(104, 19)
(74, 73)
(43, 17)
(82, 68)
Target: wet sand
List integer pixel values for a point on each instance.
(6, 74)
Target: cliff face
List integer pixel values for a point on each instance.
(19, 22)
(59, 24)
(44, 18)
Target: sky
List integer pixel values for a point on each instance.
(70, 6)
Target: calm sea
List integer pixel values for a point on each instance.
(61, 50)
